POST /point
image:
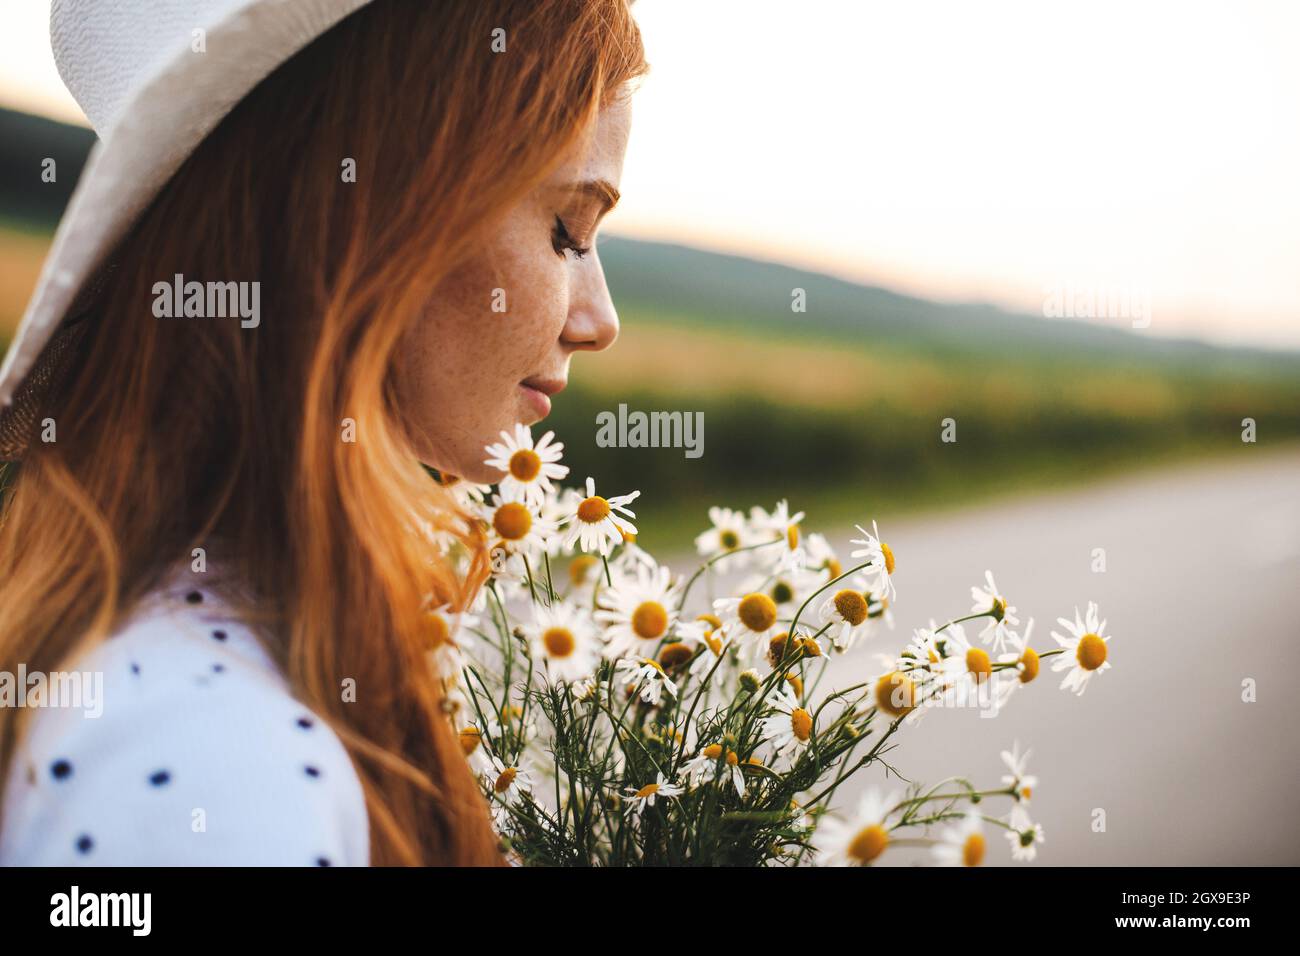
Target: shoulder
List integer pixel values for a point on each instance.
(177, 742)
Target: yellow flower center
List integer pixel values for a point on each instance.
(895, 694)
(729, 540)
(810, 647)
(715, 644)
(470, 737)
(438, 631)
(593, 510)
(888, 552)
(999, 609)
(792, 536)
(1028, 665)
(801, 724)
(512, 521)
(782, 592)
(580, 568)
(851, 606)
(650, 620)
(868, 844)
(834, 567)
(1091, 652)
(776, 647)
(674, 654)
(647, 790)
(757, 612)
(1026, 793)
(558, 641)
(796, 683)
(972, 852)
(978, 663)
(525, 464)
(506, 780)
(714, 751)
(712, 620)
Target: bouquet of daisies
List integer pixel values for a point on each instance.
(618, 714)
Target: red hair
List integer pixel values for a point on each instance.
(175, 435)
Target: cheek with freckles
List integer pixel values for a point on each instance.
(460, 367)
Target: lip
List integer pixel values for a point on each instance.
(538, 391)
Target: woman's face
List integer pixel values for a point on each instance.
(469, 370)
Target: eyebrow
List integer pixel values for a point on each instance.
(601, 190)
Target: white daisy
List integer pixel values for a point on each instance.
(519, 529)
(639, 611)
(563, 639)
(789, 729)
(467, 494)
(709, 765)
(967, 670)
(447, 636)
(714, 637)
(1024, 835)
(730, 532)
(507, 783)
(639, 800)
(777, 525)
(820, 556)
(990, 600)
(471, 745)
(1086, 643)
(529, 469)
(903, 692)
(750, 619)
(647, 676)
(508, 725)
(1020, 781)
(595, 523)
(848, 613)
(555, 509)
(1024, 663)
(924, 652)
(961, 844)
(859, 840)
(786, 581)
(881, 558)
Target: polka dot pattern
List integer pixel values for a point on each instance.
(200, 755)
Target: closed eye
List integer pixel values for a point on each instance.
(563, 242)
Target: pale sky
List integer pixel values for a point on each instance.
(998, 151)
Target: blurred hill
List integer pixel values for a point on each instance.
(839, 407)
(27, 142)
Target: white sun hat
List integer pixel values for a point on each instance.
(154, 77)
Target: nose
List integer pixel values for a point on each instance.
(592, 323)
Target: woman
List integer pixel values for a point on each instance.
(234, 524)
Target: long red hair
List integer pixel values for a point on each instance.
(177, 434)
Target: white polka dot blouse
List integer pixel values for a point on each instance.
(198, 755)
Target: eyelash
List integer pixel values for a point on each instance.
(563, 242)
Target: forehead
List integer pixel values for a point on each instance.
(599, 154)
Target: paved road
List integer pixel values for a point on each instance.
(1202, 591)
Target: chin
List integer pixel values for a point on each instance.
(465, 466)
(479, 473)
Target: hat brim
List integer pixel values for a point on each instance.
(164, 120)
